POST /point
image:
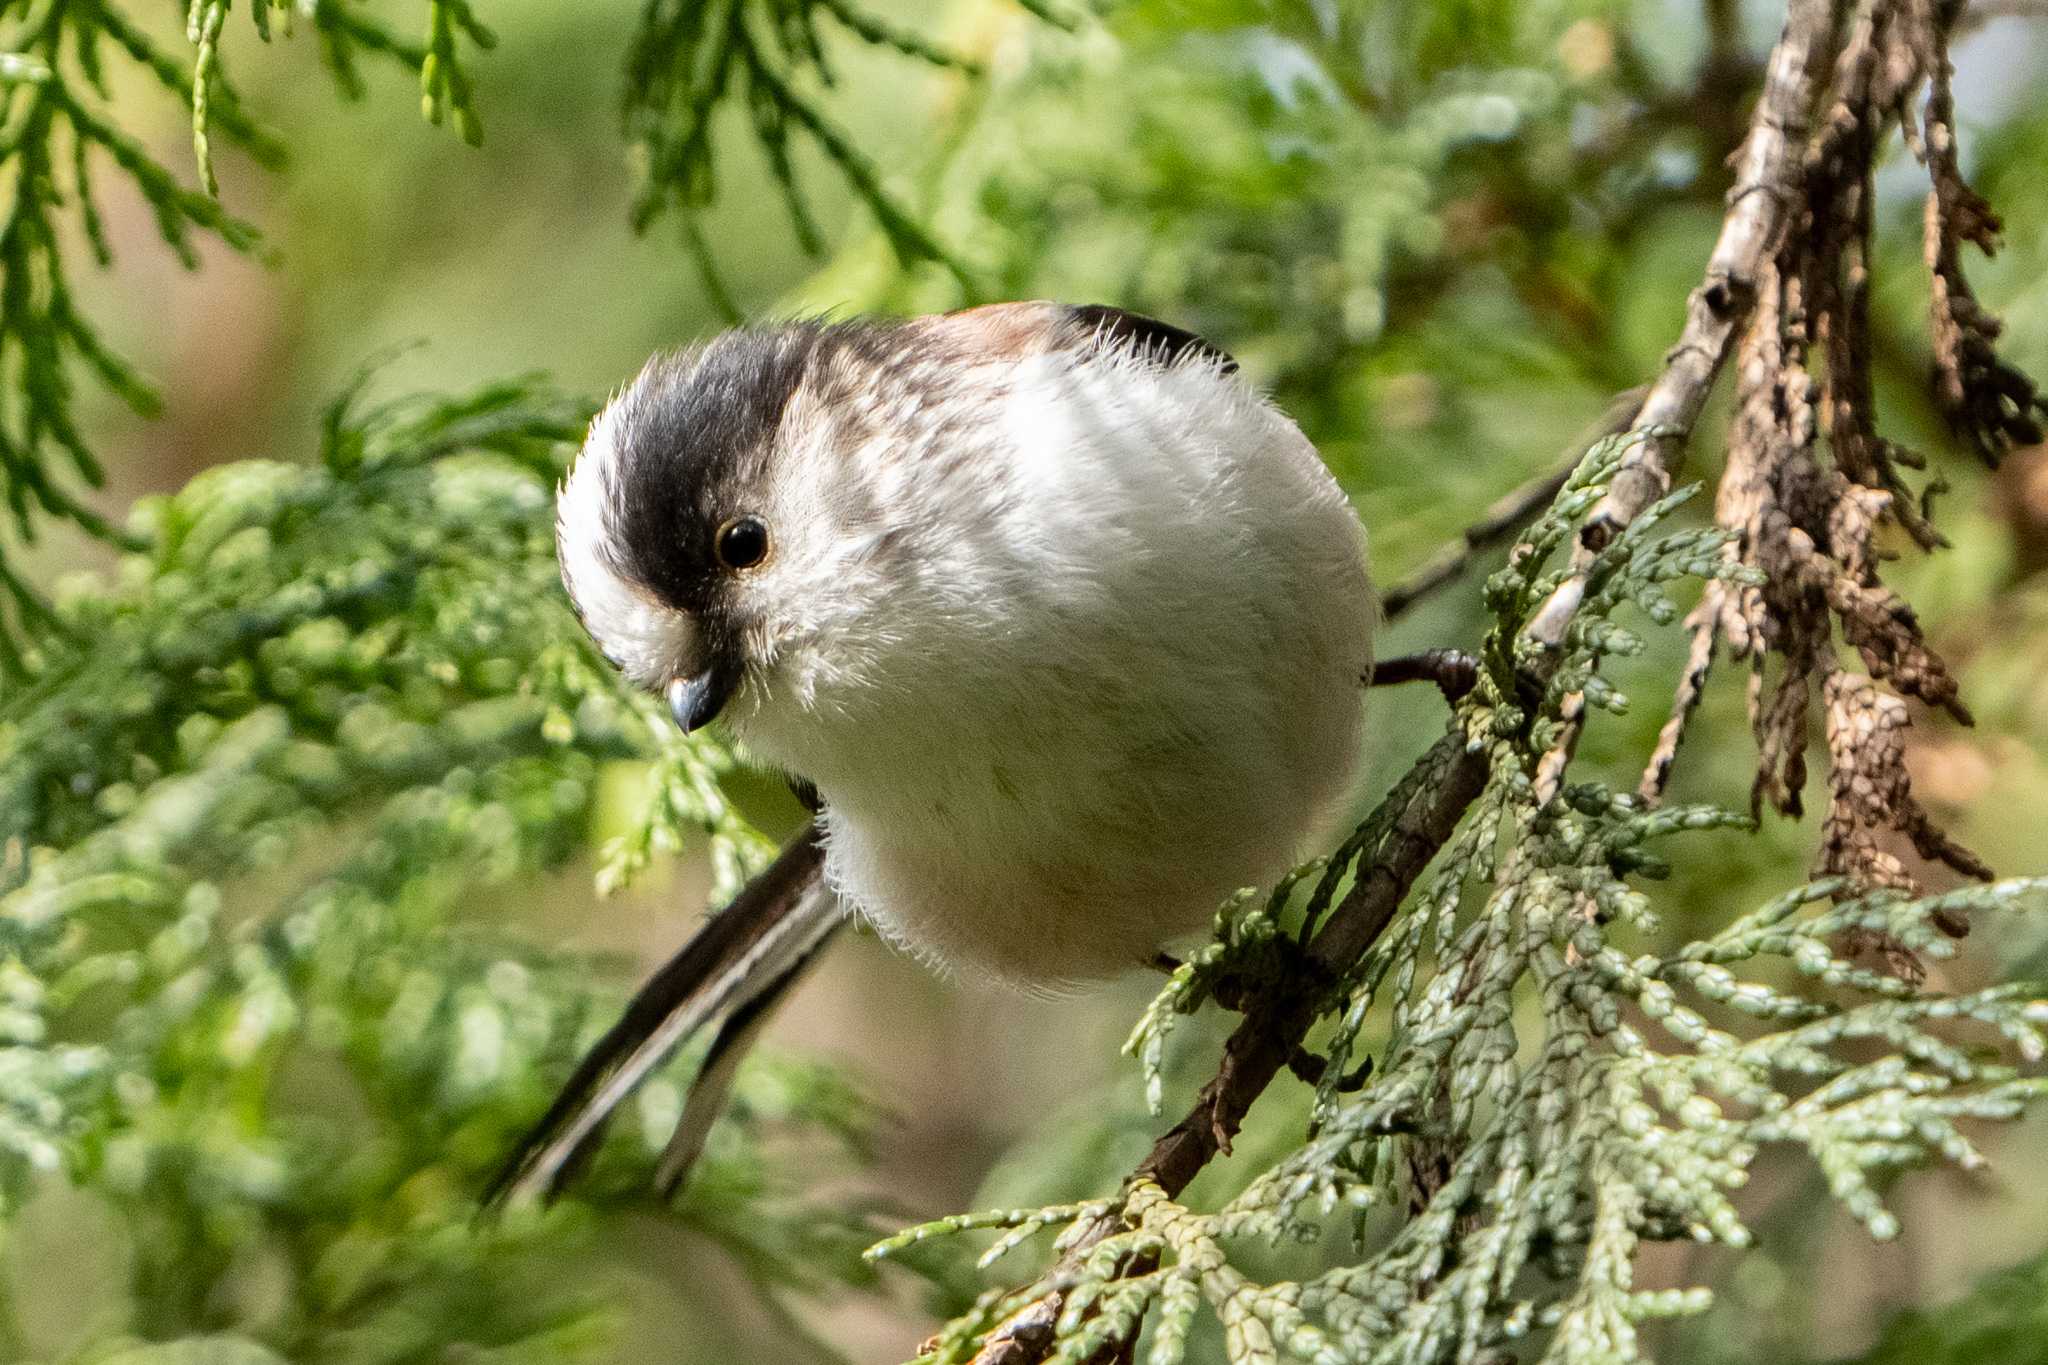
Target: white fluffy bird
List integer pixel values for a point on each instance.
(1063, 621)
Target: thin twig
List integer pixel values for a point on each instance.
(1501, 522)
(1504, 520)
(1704, 625)
(1759, 208)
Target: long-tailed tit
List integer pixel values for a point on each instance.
(1062, 620)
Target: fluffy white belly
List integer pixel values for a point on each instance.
(1123, 681)
(1045, 878)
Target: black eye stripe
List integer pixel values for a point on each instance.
(741, 543)
(695, 434)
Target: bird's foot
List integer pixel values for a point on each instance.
(1452, 670)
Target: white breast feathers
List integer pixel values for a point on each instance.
(1120, 678)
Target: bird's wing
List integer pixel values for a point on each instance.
(1021, 329)
(1162, 341)
(738, 963)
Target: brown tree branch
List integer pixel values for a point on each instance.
(1767, 189)
(1811, 483)
(1759, 209)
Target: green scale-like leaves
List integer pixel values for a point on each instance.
(248, 791)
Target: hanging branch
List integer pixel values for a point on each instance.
(60, 143)
(1811, 483)
(689, 59)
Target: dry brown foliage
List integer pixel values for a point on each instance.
(1813, 492)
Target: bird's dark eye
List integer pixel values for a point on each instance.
(741, 543)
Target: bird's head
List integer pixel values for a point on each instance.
(673, 526)
(747, 517)
(796, 516)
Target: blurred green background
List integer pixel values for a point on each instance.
(1443, 233)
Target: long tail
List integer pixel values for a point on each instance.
(705, 1101)
(738, 964)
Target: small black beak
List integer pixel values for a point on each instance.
(695, 701)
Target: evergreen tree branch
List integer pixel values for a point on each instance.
(248, 798)
(688, 60)
(1569, 1144)
(59, 88)
(1260, 1047)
